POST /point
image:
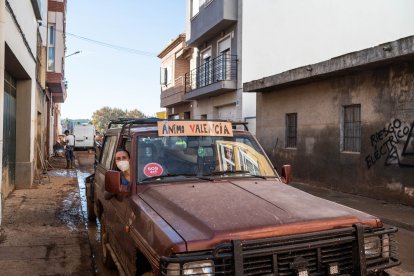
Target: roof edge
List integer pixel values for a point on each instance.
(174, 43)
(389, 52)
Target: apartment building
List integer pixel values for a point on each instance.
(32, 85)
(214, 82)
(18, 59)
(175, 63)
(336, 101)
(55, 68)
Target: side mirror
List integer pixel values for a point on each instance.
(113, 183)
(286, 174)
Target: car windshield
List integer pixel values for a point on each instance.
(205, 157)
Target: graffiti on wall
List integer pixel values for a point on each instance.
(395, 142)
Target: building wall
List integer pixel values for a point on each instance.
(383, 168)
(217, 107)
(227, 105)
(295, 33)
(168, 61)
(24, 51)
(3, 193)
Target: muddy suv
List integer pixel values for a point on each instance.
(205, 200)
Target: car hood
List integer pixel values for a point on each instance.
(205, 214)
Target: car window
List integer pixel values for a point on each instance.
(161, 158)
(108, 152)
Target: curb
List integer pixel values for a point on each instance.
(386, 220)
(398, 224)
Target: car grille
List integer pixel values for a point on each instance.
(283, 256)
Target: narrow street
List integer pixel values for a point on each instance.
(46, 230)
(85, 162)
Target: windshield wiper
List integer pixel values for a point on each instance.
(235, 172)
(186, 175)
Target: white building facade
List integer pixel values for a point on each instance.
(18, 58)
(214, 83)
(279, 35)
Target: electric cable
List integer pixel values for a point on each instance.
(108, 45)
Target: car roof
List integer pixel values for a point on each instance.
(130, 126)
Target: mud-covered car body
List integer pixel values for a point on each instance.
(210, 203)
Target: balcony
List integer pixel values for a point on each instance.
(212, 78)
(57, 87)
(173, 95)
(212, 18)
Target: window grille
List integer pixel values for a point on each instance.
(352, 128)
(291, 130)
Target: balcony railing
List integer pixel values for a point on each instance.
(221, 68)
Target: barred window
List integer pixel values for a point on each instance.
(352, 128)
(291, 129)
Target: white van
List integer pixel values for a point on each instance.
(84, 136)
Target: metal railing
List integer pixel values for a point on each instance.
(221, 68)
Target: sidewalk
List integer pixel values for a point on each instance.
(394, 214)
(43, 231)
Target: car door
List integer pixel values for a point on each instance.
(113, 207)
(120, 240)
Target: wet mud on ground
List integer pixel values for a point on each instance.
(84, 162)
(43, 230)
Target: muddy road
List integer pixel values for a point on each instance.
(85, 167)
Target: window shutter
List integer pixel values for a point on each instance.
(163, 76)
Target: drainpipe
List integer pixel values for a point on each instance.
(2, 50)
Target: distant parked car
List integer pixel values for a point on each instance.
(84, 136)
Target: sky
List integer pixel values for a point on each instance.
(100, 76)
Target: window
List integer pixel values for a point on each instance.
(205, 70)
(163, 76)
(352, 128)
(223, 71)
(166, 75)
(195, 7)
(51, 48)
(107, 153)
(291, 130)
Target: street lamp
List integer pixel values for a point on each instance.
(77, 52)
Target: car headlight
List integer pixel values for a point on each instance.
(385, 246)
(372, 246)
(205, 268)
(199, 268)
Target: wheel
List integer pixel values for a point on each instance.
(89, 203)
(91, 212)
(106, 255)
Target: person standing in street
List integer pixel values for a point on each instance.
(70, 144)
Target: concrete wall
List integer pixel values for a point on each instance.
(210, 107)
(382, 169)
(26, 86)
(295, 33)
(2, 50)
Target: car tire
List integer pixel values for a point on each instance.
(91, 211)
(106, 255)
(89, 199)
